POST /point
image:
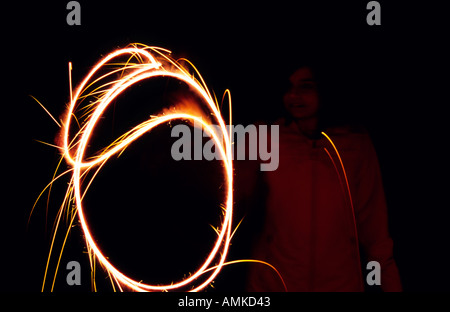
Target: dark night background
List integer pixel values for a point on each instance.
(388, 78)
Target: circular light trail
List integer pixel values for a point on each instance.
(151, 62)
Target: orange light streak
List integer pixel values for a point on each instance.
(152, 62)
(350, 199)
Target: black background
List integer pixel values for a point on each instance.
(391, 78)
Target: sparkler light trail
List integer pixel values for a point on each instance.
(143, 63)
(347, 187)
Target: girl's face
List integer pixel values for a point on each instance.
(302, 100)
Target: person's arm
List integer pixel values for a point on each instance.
(372, 219)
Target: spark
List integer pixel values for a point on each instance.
(46, 110)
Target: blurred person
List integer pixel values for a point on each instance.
(308, 230)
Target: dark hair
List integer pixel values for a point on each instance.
(330, 80)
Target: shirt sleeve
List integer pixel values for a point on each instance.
(372, 218)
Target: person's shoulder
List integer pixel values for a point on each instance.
(350, 137)
(349, 132)
(269, 125)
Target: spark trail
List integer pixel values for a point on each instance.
(96, 92)
(143, 62)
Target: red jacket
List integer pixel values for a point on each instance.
(309, 229)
